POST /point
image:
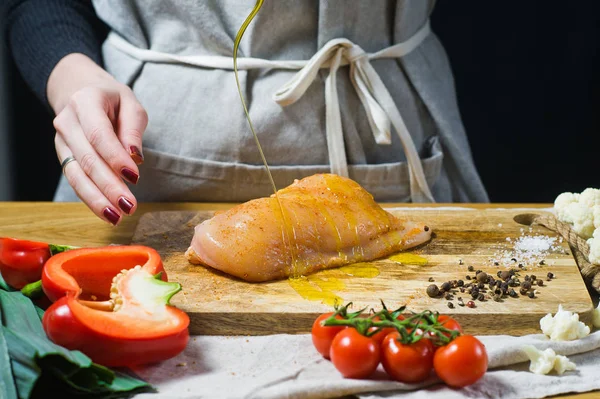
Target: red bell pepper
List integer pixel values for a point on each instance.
(112, 303)
(21, 261)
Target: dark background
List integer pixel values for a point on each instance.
(528, 86)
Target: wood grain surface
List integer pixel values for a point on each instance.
(73, 223)
(223, 305)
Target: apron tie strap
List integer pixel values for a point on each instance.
(379, 105)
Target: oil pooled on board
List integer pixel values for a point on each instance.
(320, 286)
(288, 232)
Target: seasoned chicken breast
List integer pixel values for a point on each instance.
(327, 221)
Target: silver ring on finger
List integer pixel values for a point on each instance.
(66, 161)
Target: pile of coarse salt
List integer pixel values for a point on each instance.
(528, 250)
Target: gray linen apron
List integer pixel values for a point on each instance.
(198, 146)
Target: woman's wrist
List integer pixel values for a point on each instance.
(72, 73)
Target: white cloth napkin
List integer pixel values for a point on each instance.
(288, 366)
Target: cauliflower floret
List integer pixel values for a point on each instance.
(542, 362)
(596, 213)
(581, 217)
(590, 197)
(564, 326)
(561, 202)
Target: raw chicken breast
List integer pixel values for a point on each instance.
(330, 221)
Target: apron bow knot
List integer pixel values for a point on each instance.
(379, 105)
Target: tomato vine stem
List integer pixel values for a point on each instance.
(413, 328)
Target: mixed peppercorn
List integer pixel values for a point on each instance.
(483, 286)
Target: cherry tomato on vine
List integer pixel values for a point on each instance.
(353, 354)
(462, 362)
(408, 363)
(449, 323)
(322, 336)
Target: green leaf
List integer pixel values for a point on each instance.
(36, 360)
(7, 385)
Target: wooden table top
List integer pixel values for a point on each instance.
(75, 224)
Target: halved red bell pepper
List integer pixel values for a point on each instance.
(112, 305)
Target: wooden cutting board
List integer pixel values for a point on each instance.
(221, 305)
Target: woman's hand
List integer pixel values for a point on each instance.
(100, 123)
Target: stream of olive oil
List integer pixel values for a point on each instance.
(287, 230)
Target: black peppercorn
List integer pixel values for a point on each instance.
(448, 296)
(468, 277)
(480, 285)
(460, 283)
(481, 297)
(533, 277)
(499, 273)
(482, 277)
(475, 295)
(431, 280)
(531, 294)
(433, 290)
(513, 293)
(540, 283)
(550, 275)
(542, 262)
(527, 277)
(513, 260)
(470, 268)
(496, 263)
(526, 285)
(446, 286)
(498, 291)
(450, 305)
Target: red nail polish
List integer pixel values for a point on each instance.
(130, 175)
(125, 205)
(136, 155)
(111, 215)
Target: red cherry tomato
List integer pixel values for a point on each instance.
(353, 354)
(462, 362)
(322, 336)
(449, 323)
(408, 363)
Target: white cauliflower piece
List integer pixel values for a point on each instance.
(562, 364)
(581, 217)
(561, 202)
(564, 326)
(596, 214)
(590, 197)
(594, 243)
(542, 362)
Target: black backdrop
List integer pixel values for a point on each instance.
(528, 86)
